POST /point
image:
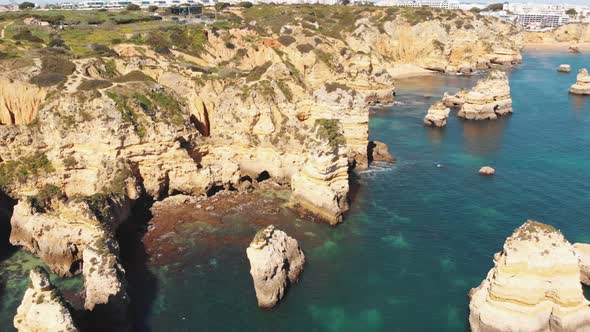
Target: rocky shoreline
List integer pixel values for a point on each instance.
(85, 139)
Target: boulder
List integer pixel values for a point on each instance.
(487, 170)
(564, 68)
(489, 98)
(379, 151)
(582, 85)
(533, 286)
(275, 263)
(43, 308)
(437, 115)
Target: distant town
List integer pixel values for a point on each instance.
(532, 16)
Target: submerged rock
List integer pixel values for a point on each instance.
(379, 151)
(489, 98)
(42, 307)
(437, 115)
(582, 85)
(533, 286)
(275, 263)
(487, 170)
(564, 68)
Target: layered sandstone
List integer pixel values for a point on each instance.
(321, 186)
(533, 286)
(489, 98)
(19, 102)
(275, 263)
(379, 151)
(582, 85)
(583, 253)
(43, 308)
(437, 115)
(455, 101)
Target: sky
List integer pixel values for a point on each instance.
(570, 2)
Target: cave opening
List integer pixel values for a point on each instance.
(263, 176)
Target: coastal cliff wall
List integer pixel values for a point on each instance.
(569, 33)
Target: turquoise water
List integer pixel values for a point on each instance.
(417, 237)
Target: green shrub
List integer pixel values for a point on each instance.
(133, 76)
(245, 4)
(23, 169)
(42, 200)
(286, 40)
(305, 48)
(127, 114)
(133, 7)
(54, 70)
(438, 45)
(103, 50)
(329, 129)
(70, 162)
(94, 85)
(257, 72)
(27, 35)
(152, 8)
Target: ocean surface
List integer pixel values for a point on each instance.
(417, 237)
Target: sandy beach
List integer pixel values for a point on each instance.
(409, 70)
(559, 46)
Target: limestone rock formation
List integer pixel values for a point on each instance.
(19, 102)
(379, 151)
(489, 98)
(43, 308)
(583, 252)
(487, 170)
(455, 101)
(533, 286)
(275, 263)
(321, 187)
(437, 115)
(582, 85)
(564, 68)
(103, 282)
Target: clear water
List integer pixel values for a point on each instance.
(417, 237)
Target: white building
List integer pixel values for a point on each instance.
(446, 4)
(542, 15)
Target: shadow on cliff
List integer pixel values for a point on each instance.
(6, 208)
(142, 284)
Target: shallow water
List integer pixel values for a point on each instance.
(417, 237)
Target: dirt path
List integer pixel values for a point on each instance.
(4, 28)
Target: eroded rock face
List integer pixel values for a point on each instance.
(275, 263)
(455, 101)
(321, 187)
(533, 286)
(564, 68)
(582, 85)
(19, 102)
(489, 98)
(583, 252)
(43, 308)
(437, 115)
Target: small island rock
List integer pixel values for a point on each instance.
(533, 286)
(275, 263)
(487, 170)
(455, 101)
(42, 307)
(564, 68)
(582, 85)
(437, 115)
(379, 151)
(489, 98)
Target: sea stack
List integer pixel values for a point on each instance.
(489, 98)
(379, 151)
(437, 115)
(564, 68)
(533, 286)
(43, 308)
(275, 263)
(582, 85)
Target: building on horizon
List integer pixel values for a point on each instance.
(445, 4)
